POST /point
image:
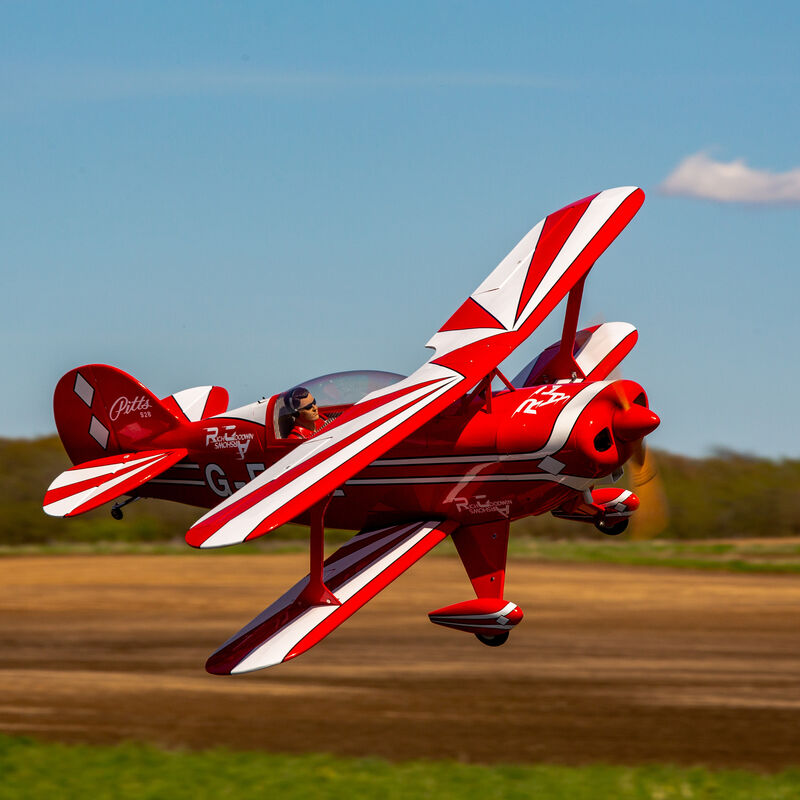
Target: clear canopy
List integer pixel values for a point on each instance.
(344, 388)
(336, 389)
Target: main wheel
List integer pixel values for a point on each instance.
(493, 641)
(116, 513)
(611, 530)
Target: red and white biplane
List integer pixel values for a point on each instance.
(405, 461)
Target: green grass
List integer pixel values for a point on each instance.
(30, 770)
(742, 555)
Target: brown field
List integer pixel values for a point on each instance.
(611, 664)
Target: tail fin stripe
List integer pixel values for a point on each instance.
(84, 389)
(99, 432)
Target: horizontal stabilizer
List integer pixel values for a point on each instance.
(355, 573)
(198, 403)
(93, 483)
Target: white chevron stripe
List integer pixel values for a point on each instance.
(77, 474)
(64, 506)
(444, 342)
(596, 215)
(499, 294)
(192, 401)
(608, 336)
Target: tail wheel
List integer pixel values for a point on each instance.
(493, 641)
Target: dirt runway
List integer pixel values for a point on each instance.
(610, 664)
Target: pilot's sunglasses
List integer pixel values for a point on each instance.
(311, 405)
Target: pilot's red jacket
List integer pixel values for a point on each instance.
(301, 432)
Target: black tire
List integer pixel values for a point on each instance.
(493, 641)
(116, 513)
(611, 530)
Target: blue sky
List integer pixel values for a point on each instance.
(252, 194)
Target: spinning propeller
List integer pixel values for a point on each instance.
(631, 424)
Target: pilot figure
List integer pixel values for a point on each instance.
(303, 406)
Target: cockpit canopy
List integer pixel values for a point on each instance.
(334, 393)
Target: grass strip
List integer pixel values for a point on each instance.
(31, 769)
(745, 555)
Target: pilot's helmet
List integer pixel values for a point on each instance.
(293, 399)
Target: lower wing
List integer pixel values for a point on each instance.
(355, 573)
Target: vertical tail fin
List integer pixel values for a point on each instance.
(100, 411)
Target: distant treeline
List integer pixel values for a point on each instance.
(727, 495)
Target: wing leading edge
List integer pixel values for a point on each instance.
(499, 315)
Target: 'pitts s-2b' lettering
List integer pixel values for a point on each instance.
(405, 461)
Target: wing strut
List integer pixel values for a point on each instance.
(564, 365)
(484, 390)
(316, 593)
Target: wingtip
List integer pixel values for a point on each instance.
(198, 535)
(629, 199)
(226, 661)
(218, 666)
(631, 193)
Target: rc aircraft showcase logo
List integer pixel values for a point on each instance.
(229, 440)
(479, 504)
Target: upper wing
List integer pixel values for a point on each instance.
(499, 315)
(599, 350)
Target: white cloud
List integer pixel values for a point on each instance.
(733, 182)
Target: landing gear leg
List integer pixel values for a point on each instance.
(116, 509)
